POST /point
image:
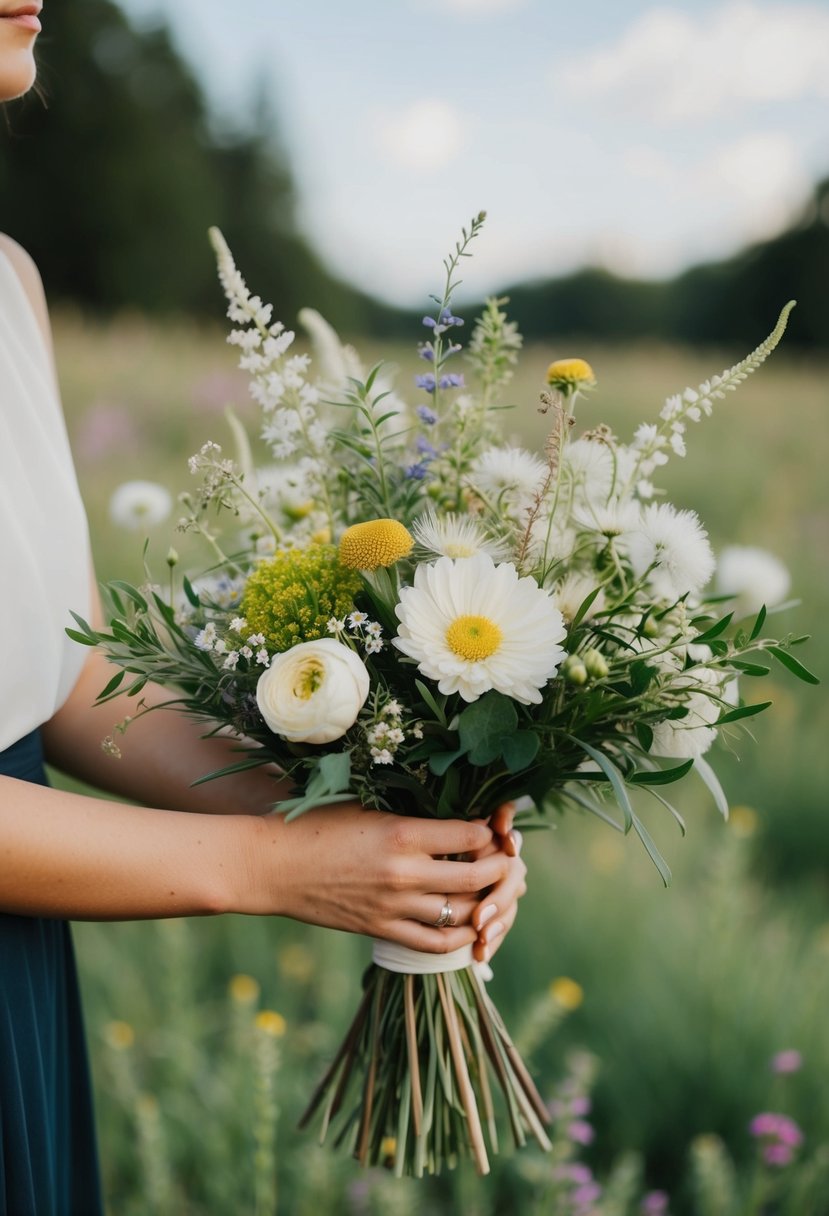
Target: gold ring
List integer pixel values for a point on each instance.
(446, 916)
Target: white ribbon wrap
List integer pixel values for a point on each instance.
(419, 962)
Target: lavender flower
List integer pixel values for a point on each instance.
(426, 415)
(427, 382)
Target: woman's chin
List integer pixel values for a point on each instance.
(17, 74)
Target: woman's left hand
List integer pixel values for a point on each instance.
(494, 915)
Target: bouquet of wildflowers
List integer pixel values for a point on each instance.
(406, 608)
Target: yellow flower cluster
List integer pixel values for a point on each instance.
(291, 597)
(380, 542)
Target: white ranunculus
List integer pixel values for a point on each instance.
(313, 692)
(140, 504)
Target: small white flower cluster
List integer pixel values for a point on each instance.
(385, 733)
(252, 650)
(364, 630)
(217, 473)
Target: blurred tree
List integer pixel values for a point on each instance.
(113, 180)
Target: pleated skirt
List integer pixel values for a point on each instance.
(48, 1157)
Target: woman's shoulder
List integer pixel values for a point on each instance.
(27, 272)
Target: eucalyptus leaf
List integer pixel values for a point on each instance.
(520, 749)
(484, 725)
(662, 776)
(743, 711)
(758, 624)
(793, 665)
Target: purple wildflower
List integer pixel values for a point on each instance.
(581, 1132)
(585, 1196)
(786, 1061)
(426, 351)
(427, 415)
(446, 318)
(580, 1105)
(429, 322)
(427, 382)
(425, 448)
(451, 380)
(416, 472)
(655, 1203)
(777, 1154)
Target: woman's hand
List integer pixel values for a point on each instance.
(498, 908)
(382, 875)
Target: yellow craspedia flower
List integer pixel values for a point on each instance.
(570, 375)
(388, 1146)
(380, 542)
(566, 993)
(119, 1035)
(243, 989)
(270, 1023)
(291, 597)
(296, 962)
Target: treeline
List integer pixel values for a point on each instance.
(112, 179)
(729, 301)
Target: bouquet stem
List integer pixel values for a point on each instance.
(409, 1087)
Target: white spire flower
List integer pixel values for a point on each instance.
(454, 536)
(473, 626)
(753, 576)
(672, 548)
(140, 504)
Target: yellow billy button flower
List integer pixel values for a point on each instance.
(119, 1035)
(243, 989)
(570, 375)
(380, 542)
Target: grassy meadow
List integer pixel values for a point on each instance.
(206, 1036)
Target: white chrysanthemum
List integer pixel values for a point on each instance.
(140, 504)
(691, 736)
(473, 626)
(613, 519)
(753, 576)
(589, 464)
(509, 471)
(572, 591)
(674, 546)
(454, 536)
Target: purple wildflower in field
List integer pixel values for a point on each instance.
(655, 1203)
(786, 1062)
(426, 415)
(426, 351)
(452, 380)
(581, 1132)
(427, 382)
(779, 1135)
(417, 472)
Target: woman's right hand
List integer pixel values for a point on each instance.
(375, 873)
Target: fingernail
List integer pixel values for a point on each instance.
(511, 845)
(492, 931)
(486, 915)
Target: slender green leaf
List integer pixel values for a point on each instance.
(793, 665)
(240, 767)
(80, 637)
(190, 592)
(652, 851)
(715, 630)
(662, 776)
(749, 669)
(758, 624)
(431, 701)
(615, 778)
(711, 780)
(584, 607)
(131, 592)
(111, 685)
(743, 711)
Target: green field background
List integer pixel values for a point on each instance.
(687, 993)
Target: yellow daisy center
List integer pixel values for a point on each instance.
(380, 542)
(308, 679)
(456, 548)
(473, 637)
(569, 374)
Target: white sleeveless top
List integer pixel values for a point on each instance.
(44, 546)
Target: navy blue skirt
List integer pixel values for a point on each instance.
(48, 1159)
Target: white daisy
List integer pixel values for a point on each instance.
(140, 504)
(753, 576)
(673, 546)
(473, 626)
(509, 471)
(454, 536)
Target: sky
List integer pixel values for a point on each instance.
(637, 135)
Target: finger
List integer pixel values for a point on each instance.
(490, 942)
(502, 895)
(440, 837)
(424, 937)
(465, 878)
(502, 819)
(428, 908)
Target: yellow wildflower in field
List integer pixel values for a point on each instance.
(743, 820)
(296, 962)
(119, 1035)
(566, 993)
(380, 542)
(243, 989)
(270, 1023)
(570, 375)
(291, 597)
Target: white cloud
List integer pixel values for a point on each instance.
(422, 137)
(678, 65)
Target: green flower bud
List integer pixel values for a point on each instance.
(573, 670)
(650, 627)
(172, 557)
(596, 664)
